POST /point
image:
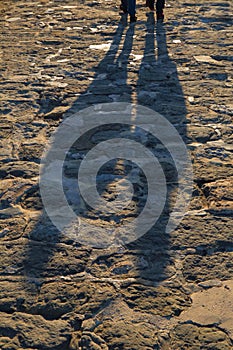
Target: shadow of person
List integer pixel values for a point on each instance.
(158, 88)
(45, 240)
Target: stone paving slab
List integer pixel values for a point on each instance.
(162, 291)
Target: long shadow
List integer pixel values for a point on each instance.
(158, 88)
(44, 238)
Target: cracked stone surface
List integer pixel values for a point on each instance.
(162, 291)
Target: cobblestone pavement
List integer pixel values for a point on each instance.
(162, 291)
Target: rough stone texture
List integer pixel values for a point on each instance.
(212, 306)
(162, 291)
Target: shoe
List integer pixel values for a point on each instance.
(133, 19)
(160, 16)
(150, 4)
(123, 9)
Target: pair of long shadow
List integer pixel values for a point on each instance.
(158, 88)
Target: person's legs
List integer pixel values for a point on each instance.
(132, 7)
(124, 5)
(159, 9)
(150, 4)
(129, 6)
(132, 10)
(160, 6)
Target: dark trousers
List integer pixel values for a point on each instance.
(130, 5)
(160, 5)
